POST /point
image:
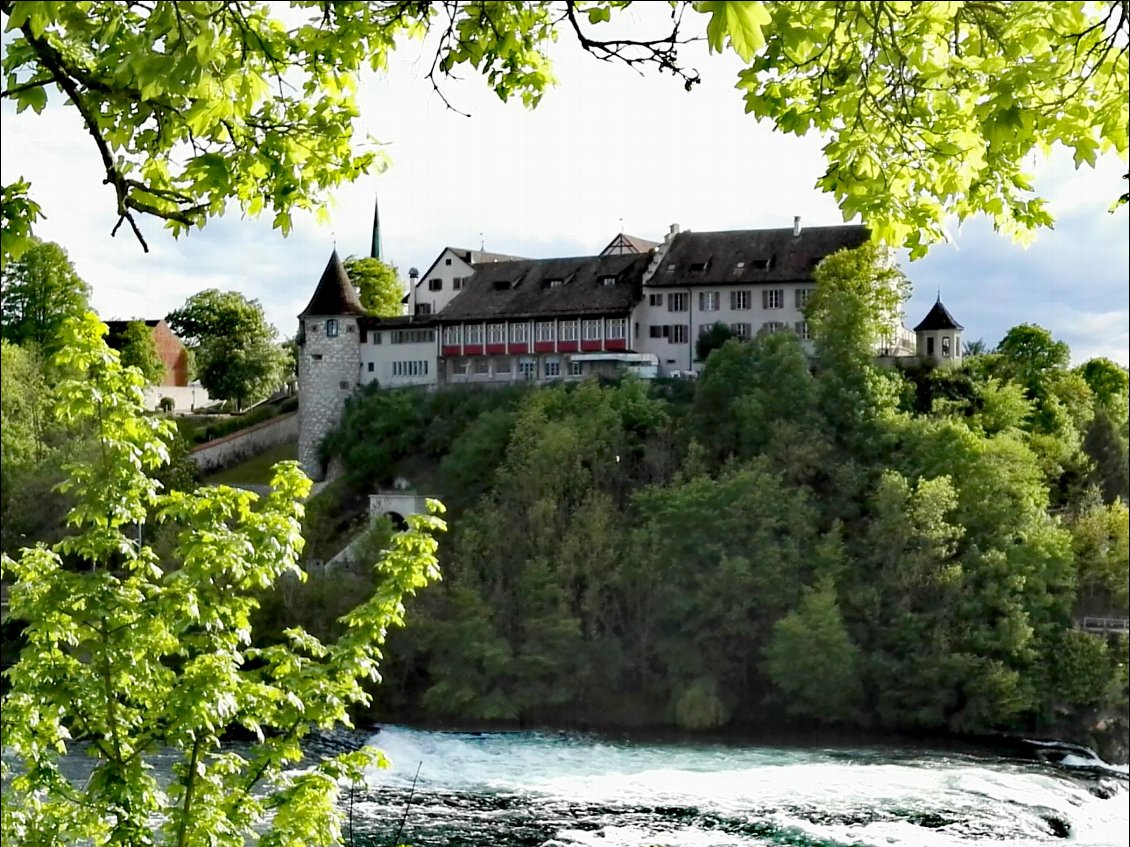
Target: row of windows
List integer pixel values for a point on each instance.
(503, 366)
(711, 301)
(678, 333)
(518, 333)
(457, 283)
(413, 368)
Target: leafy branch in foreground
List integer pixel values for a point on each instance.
(126, 655)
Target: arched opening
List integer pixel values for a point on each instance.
(397, 520)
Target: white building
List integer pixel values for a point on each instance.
(398, 352)
(447, 276)
(752, 281)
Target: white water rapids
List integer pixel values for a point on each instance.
(556, 789)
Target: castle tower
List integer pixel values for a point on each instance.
(329, 361)
(938, 336)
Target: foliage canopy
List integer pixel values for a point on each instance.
(929, 110)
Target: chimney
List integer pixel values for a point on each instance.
(796, 225)
(413, 278)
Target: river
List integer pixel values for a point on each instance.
(522, 789)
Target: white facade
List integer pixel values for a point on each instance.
(442, 282)
(399, 355)
(670, 320)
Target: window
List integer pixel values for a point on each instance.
(496, 334)
(502, 365)
(474, 334)
(447, 261)
(317, 357)
(331, 328)
(552, 368)
(482, 366)
(708, 301)
(502, 285)
(772, 326)
(802, 295)
(423, 308)
(803, 331)
(519, 333)
(616, 328)
(945, 346)
(671, 268)
(528, 368)
(459, 366)
(554, 283)
(773, 298)
(607, 281)
(655, 299)
(698, 267)
(343, 385)
(740, 300)
(412, 336)
(452, 336)
(435, 284)
(370, 367)
(760, 264)
(543, 331)
(349, 329)
(458, 283)
(376, 338)
(590, 330)
(677, 301)
(576, 368)
(656, 331)
(568, 330)
(741, 330)
(929, 346)
(679, 334)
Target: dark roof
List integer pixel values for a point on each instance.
(938, 317)
(335, 294)
(623, 243)
(522, 289)
(471, 257)
(769, 255)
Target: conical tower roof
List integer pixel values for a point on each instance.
(938, 317)
(335, 294)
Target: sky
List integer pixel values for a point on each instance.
(608, 150)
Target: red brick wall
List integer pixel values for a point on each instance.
(172, 353)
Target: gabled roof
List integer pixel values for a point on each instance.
(335, 294)
(938, 317)
(549, 287)
(471, 257)
(623, 243)
(749, 256)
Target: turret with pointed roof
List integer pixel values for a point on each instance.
(938, 335)
(329, 360)
(335, 294)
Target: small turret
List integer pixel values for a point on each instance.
(938, 335)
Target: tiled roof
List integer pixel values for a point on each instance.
(335, 294)
(536, 287)
(751, 256)
(938, 317)
(624, 243)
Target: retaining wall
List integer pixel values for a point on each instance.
(240, 446)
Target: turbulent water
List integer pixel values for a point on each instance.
(552, 790)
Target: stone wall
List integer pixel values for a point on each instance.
(328, 372)
(240, 446)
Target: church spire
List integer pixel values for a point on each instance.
(375, 249)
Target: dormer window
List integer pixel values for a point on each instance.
(608, 281)
(671, 268)
(502, 285)
(331, 328)
(760, 264)
(554, 283)
(698, 267)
